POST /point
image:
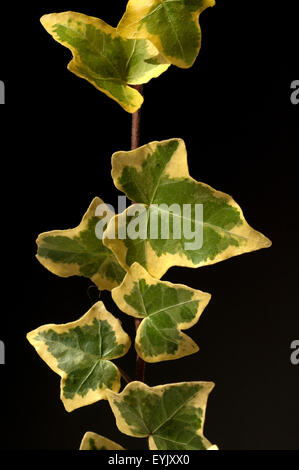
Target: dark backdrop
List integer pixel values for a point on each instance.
(233, 109)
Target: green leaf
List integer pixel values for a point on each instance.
(80, 252)
(92, 441)
(166, 309)
(81, 352)
(171, 25)
(104, 58)
(157, 174)
(171, 416)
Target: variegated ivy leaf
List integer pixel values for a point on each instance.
(80, 252)
(92, 441)
(166, 309)
(171, 25)
(156, 177)
(171, 416)
(81, 353)
(104, 58)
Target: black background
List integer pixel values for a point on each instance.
(234, 112)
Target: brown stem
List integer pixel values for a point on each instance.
(136, 123)
(140, 364)
(135, 142)
(124, 375)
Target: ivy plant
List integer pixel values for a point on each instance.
(151, 36)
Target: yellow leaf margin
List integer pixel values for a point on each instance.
(99, 441)
(130, 25)
(73, 269)
(177, 167)
(198, 401)
(52, 19)
(99, 312)
(186, 345)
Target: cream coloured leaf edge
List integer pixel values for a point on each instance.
(131, 106)
(99, 312)
(199, 401)
(177, 167)
(186, 345)
(136, 10)
(100, 441)
(73, 269)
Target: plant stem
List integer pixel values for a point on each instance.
(124, 375)
(136, 123)
(140, 368)
(135, 142)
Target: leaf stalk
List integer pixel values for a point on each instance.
(135, 143)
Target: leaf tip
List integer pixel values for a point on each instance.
(268, 242)
(262, 241)
(47, 21)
